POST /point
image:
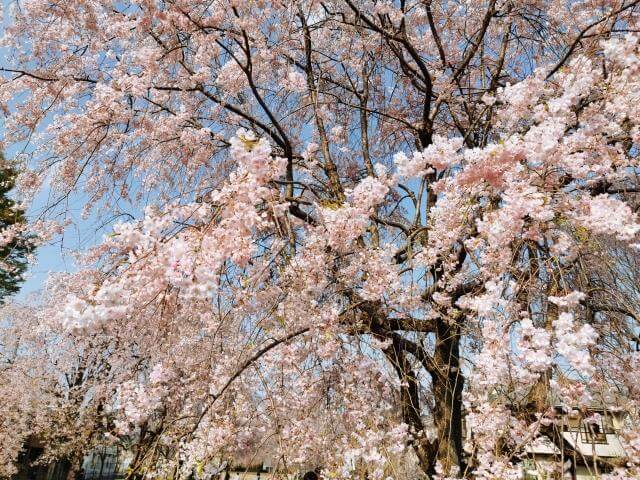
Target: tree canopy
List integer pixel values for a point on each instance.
(385, 238)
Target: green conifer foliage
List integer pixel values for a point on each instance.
(13, 255)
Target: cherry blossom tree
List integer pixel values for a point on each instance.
(346, 232)
(56, 386)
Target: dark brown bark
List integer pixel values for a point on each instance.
(448, 383)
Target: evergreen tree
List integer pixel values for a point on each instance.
(13, 253)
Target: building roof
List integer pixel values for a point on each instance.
(542, 446)
(613, 448)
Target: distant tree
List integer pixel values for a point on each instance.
(14, 244)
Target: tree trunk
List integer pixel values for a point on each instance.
(410, 402)
(448, 383)
(75, 463)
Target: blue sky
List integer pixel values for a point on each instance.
(52, 257)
